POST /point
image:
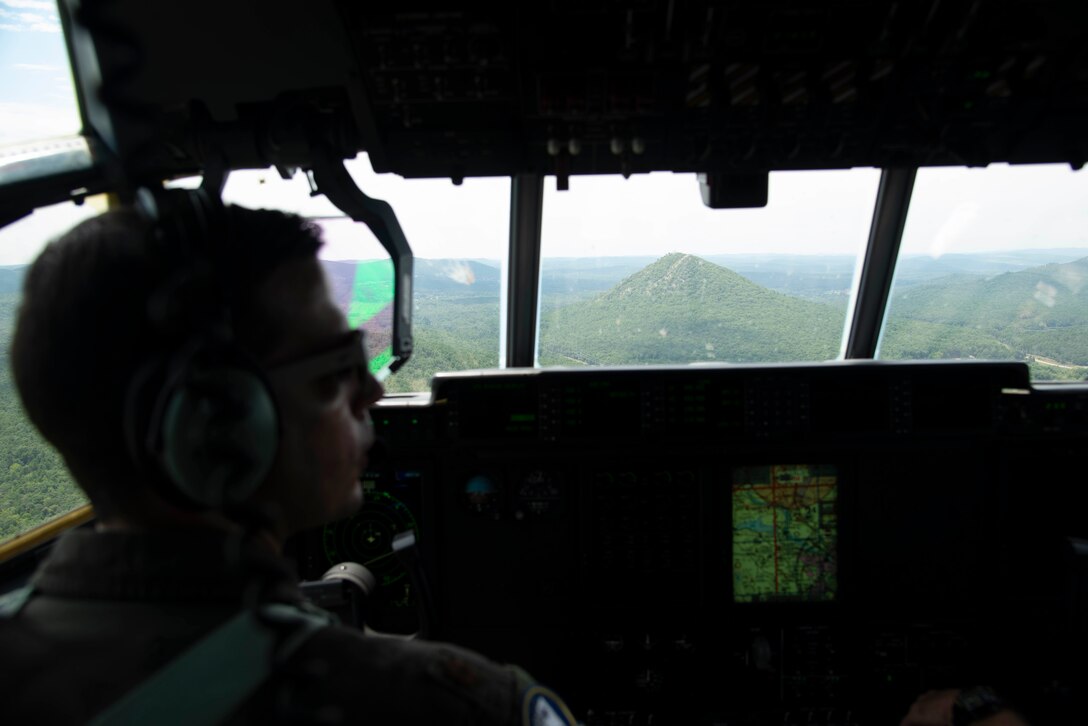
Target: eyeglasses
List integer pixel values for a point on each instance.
(347, 354)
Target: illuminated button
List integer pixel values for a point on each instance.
(482, 495)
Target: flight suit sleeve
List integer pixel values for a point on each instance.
(508, 694)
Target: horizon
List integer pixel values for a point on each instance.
(496, 262)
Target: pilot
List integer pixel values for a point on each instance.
(154, 375)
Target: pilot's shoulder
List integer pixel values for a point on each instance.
(435, 680)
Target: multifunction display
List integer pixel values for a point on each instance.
(785, 533)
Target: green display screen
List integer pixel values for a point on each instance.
(785, 533)
(365, 291)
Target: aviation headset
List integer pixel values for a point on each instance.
(200, 418)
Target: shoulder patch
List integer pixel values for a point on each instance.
(541, 707)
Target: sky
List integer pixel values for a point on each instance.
(810, 213)
(36, 96)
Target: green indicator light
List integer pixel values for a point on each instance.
(522, 417)
(415, 421)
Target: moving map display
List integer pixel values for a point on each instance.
(785, 533)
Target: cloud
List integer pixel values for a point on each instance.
(23, 22)
(45, 5)
(35, 67)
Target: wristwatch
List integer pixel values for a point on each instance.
(975, 704)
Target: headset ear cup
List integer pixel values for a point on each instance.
(219, 435)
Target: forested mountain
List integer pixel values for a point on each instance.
(1049, 296)
(1040, 312)
(683, 308)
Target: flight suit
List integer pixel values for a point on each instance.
(109, 609)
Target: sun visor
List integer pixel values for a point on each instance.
(365, 289)
(380, 297)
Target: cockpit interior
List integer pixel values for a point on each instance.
(712, 478)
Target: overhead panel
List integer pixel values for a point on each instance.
(594, 87)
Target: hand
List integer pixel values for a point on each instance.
(932, 708)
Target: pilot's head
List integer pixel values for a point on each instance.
(86, 332)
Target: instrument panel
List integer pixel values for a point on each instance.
(795, 544)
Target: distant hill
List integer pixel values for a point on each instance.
(683, 308)
(821, 278)
(1054, 295)
(451, 276)
(561, 277)
(828, 278)
(1041, 310)
(912, 269)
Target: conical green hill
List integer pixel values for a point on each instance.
(683, 308)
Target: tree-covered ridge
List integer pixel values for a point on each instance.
(1050, 296)
(1039, 315)
(684, 309)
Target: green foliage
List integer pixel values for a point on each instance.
(1039, 315)
(34, 485)
(438, 350)
(683, 309)
(906, 339)
(453, 332)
